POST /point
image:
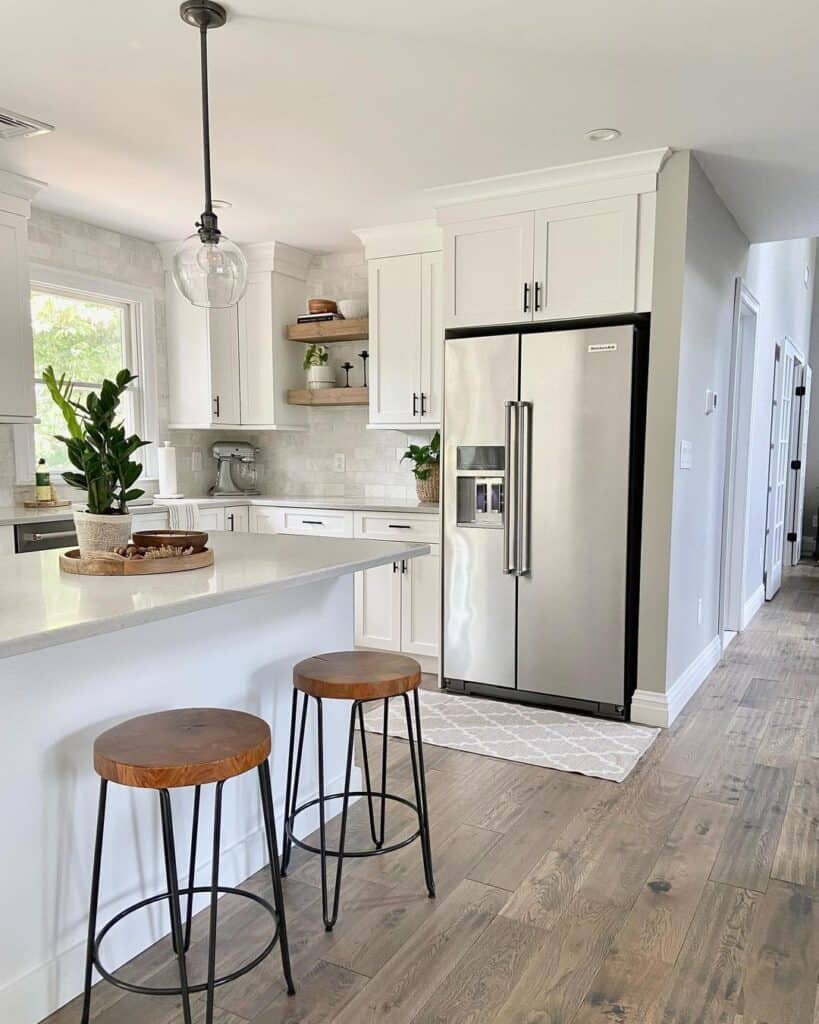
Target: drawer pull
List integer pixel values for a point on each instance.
(399, 526)
(312, 522)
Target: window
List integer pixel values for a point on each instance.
(87, 329)
(87, 340)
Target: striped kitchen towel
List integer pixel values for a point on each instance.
(184, 515)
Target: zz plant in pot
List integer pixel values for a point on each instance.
(101, 453)
(319, 374)
(426, 461)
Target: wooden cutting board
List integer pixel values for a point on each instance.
(115, 565)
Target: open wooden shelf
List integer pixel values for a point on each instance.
(329, 396)
(325, 331)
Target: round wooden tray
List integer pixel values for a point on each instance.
(115, 565)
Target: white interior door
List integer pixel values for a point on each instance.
(800, 418)
(778, 470)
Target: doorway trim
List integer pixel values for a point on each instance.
(734, 611)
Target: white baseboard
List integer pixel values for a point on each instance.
(752, 605)
(57, 981)
(660, 709)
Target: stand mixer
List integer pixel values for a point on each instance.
(235, 468)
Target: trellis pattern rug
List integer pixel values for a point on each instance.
(519, 732)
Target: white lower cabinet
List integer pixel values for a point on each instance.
(396, 606)
(6, 540)
(211, 518)
(420, 602)
(378, 608)
(265, 520)
(237, 519)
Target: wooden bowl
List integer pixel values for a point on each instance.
(170, 538)
(321, 306)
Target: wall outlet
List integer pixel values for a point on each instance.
(196, 460)
(710, 402)
(699, 611)
(339, 462)
(686, 454)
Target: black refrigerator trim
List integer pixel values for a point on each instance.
(641, 323)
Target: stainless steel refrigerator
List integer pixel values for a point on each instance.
(542, 504)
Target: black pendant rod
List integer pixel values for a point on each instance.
(203, 40)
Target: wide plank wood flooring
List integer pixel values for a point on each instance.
(688, 894)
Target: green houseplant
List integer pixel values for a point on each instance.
(426, 461)
(101, 453)
(319, 373)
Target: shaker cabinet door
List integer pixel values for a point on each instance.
(420, 603)
(432, 339)
(585, 259)
(223, 330)
(395, 333)
(488, 271)
(378, 607)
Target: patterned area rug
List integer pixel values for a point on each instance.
(517, 732)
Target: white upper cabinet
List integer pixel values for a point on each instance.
(585, 259)
(488, 277)
(232, 367)
(406, 341)
(560, 243)
(395, 339)
(16, 349)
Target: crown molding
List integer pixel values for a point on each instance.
(635, 172)
(17, 191)
(400, 239)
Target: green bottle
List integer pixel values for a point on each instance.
(42, 479)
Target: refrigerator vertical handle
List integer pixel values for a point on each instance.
(510, 499)
(524, 502)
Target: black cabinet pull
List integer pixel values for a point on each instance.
(216, 406)
(230, 520)
(423, 404)
(403, 565)
(537, 296)
(398, 526)
(526, 287)
(414, 404)
(395, 566)
(312, 522)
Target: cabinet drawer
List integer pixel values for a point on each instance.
(326, 522)
(421, 527)
(265, 520)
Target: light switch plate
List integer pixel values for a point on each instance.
(196, 460)
(686, 454)
(710, 402)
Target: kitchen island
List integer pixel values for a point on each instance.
(79, 654)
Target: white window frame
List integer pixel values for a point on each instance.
(139, 304)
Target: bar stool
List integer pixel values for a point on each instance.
(164, 751)
(360, 677)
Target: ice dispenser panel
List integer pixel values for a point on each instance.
(480, 485)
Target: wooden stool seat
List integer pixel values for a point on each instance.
(188, 747)
(357, 675)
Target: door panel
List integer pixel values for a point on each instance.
(395, 338)
(378, 608)
(432, 338)
(223, 330)
(479, 600)
(780, 461)
(488, 262)
(799, 511)
(256, 350)
(586, 259)
(420, 600)
(572, 604)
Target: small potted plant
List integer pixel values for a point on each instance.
(100, 450)
(426, 469)
(319, 374)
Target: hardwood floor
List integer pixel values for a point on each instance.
(688, 894)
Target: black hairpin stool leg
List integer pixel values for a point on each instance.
(173, 897)
(266, 792)
(417, 760)
(292, 789)
(95, 896)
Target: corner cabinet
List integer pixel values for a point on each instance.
(233, 367)
(16, 348)
(406, 343)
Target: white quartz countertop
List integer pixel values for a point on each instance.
(42, 607)
(12, 514)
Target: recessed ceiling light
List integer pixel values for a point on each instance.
(603, 134)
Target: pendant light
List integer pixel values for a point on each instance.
(208, 269)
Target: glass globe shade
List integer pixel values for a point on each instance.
(210, 274)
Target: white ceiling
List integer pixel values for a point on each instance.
(328, 116)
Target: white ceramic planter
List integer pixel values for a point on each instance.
(320, 377)
(101, 533)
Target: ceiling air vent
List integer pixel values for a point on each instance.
(18, 126)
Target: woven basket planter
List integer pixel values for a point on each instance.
(428, 490)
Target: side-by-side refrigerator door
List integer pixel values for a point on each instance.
(481, 376)
(576, 395)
